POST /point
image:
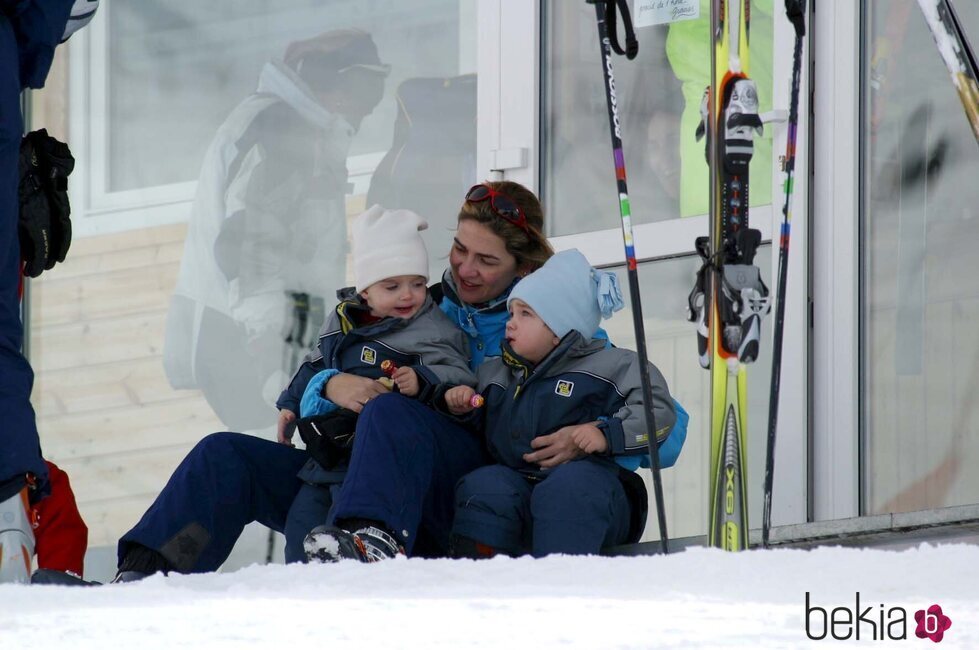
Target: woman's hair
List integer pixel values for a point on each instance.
(530, 248)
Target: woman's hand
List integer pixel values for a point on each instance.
(459, 399)
(287, 427)
(406, 380)
(352, 392)
(566, 444)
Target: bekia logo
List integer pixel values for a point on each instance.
(932, 623)
(368, 355)
(873, 623)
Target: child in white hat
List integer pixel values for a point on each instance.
(387, 316)
(559, 409)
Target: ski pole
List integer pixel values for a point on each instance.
(795, 10)
(957, 53)
(601, 7)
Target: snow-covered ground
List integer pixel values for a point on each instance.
(698, 598)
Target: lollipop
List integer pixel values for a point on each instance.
(476, 401)
(388, 367)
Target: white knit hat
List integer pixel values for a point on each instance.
(386, 244)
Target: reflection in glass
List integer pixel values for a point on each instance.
(920, 348)
(659, 96)
(266, 244)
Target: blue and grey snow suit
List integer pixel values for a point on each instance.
(428, 343)
(404, 476)
(577, 507)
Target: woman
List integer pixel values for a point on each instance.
(229, 480)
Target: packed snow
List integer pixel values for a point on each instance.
(698, 598)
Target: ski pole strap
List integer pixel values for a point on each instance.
(631, 44)
(795, 10)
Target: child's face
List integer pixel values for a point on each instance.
(401, 296)
(527, 334)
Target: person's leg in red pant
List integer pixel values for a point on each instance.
(61, 537)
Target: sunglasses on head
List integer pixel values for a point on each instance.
(501, 205)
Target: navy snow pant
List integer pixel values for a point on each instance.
(405, 464)
(227, 480)
(579, 508)
(20, 450)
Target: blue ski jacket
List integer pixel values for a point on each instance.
(29, 32)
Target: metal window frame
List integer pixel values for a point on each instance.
(835, 262)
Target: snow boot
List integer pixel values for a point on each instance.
(130, 576)
(326, 544)
(62, 578)
(16, 539)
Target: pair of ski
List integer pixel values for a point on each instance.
(729, 298)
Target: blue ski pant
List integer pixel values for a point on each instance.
(579, 508)
(20, 450)
(227, 481)
(405, 464)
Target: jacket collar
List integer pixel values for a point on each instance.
(352, 309)
(572, 346)
(493, 306)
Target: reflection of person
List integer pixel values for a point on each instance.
(398, 493)
(29, 32)
(432, 159)
(555, 382)
(229, 480)
(580, 186)
(391, 318)
(269, 224)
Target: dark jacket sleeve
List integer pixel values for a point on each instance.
(625, 431)
(38, 27)
(474, 420)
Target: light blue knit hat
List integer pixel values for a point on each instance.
(568, 294)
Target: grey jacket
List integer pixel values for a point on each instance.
(428, 342)
(580, 381)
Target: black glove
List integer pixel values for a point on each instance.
(329, 438)
(44, 226)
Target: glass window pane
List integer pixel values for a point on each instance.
(659, 96)
(148, 338)
(171, 60)
(920, 305)
(672, 347)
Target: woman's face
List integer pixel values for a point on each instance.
(481, 266)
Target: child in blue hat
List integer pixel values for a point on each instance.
(560, 409)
